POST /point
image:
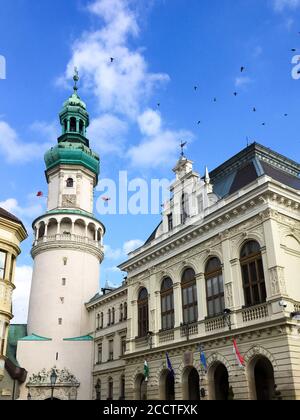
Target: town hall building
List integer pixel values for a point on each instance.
(221, 269)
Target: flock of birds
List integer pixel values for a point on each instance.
(243, 69)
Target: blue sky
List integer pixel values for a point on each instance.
(162, 49)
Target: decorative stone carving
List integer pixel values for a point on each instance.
(64, 377)
(277, 280)
(228, 295)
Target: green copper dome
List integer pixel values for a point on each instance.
(74, 100)
(67, 153)
(73, 145)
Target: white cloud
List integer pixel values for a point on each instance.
(108, 133)
(15, 150)
(158, 150)
(130, 246)
(21, 294)
(242, 81)
(280, 5)
(149, 122)
(124, 85)
(119, 253)
(31, 211)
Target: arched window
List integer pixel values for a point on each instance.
(109, 317)
(98, 390)
(189, 296)
(143, 317)
(167, 304)
(110, 389)
(98, 321)
(121, 312)
(73, 124)
(125, 311)
(253, 274)
(214, 287)
(101, 320)
(122, 388)
(70, 183)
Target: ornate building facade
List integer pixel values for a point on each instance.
(12, 233)
(220, 270)
(223, 265)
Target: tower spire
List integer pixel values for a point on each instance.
(76, 79)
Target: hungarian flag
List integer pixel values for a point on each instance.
(239, 357)
(40, 194)
(146, 370)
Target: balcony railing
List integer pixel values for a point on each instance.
(165, 336)
(215, 324)
(70, 237)
(256, 312)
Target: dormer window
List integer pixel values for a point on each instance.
(70, 183)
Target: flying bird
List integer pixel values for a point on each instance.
(235, 93)
(195, 87)
(199, 122)
(293, 49)
(254, 109)
(242, 69)
(215, 99)
(158, 105)
(111, 59)
(285, 115)
(263, 123)
(106, 199)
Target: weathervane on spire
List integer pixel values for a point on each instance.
(76, 78)
(182, 145)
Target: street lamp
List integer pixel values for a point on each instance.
(150, 338)
(227, 317)
(53, 378)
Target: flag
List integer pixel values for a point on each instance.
(106, 199)
(40, 194)
(170, 365)
(203, 361)
(146, 370)
(239, 357)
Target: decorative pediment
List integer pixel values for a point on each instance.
(64, 378)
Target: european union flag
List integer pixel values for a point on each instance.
(203, 360)
(170, 365)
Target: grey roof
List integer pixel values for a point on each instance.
(6, 215)
(251, 163)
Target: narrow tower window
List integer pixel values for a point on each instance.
(63, 282)
(73, 124)
(59, 321)
(70, 183)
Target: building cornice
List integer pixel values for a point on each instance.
(75, 246)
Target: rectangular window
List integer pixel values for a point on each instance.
(3, 255)
(62, 299)
(59, 321)
(99, 358)
(111, 350)
(64, 282)
(123, 346)
(170, 222)
(12, 267)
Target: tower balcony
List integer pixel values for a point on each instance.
(72, 232)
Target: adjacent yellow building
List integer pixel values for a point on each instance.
(12, 233)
